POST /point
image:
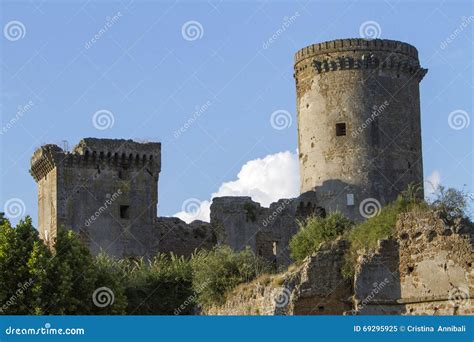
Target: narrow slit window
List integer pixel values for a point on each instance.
(340, 129)
(124, 211)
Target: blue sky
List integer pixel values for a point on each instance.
(150, 75)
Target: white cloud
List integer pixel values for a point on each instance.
(265, 180)
(432, 182)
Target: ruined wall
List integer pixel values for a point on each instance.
(170, 234)
(425, 269)
(359, 133)
(241, 222)
(314, 288)
(106, 191)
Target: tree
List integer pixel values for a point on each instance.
(16, 245)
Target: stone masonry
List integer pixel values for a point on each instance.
(359, 132)
(106, 190)
(425, 269)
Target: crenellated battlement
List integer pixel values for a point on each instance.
(356, 44)
(366, 61)
(91, 152)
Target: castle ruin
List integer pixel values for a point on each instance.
(359, 139)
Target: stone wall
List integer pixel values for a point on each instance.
(106, 191)
(241, 222)
(425, 269)
(172, 235)
(314, 288)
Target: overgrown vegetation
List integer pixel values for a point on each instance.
(218, 271)
(364, 237)
(314, 231)
(37, 280)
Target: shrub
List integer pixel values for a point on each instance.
(451, 203)
(316, 230)
(219, 270)
(364, 236)
(159, 286)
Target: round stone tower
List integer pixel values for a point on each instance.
(359, 133)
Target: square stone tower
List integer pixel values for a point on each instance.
(106, 190)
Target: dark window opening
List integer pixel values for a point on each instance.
(321, 308)
(125, 211)
(340, 129)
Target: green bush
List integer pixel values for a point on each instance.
(159, 286)
(316, 230)
(451, 203)
(364, 236)
(219, 270)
